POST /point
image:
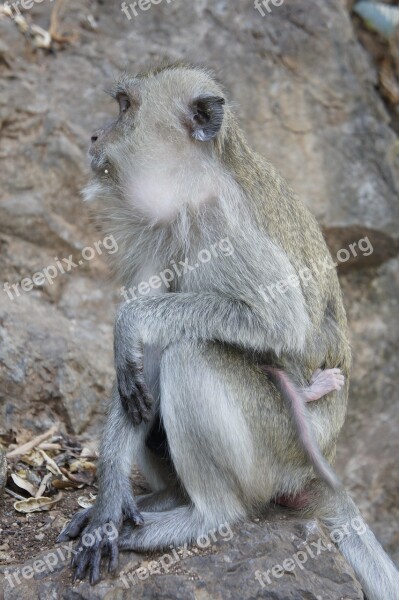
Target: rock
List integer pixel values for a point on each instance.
(367, 455)
(243, 562)
(3, 474)
(51, 366)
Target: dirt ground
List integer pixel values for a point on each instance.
(23, 536)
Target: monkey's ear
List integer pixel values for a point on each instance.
(206, 117)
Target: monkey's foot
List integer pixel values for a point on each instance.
(99, 536)
(323, 382)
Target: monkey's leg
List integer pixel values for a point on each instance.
(161, 501)
(211, 449)
(121, 443)
(322, 383)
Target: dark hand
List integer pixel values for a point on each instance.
(133, 391)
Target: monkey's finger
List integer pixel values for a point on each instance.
(80, 563)
(132, 513)
(145, 393)
(144, 402)
(134, 412)
(114, 558)
(315, 375)
(129, 405)
(74, 527)
(95, 564)
(145, 413)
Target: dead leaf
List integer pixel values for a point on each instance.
(64, 484)
(87, 453)
(81, 465)
(37, 504)
(86, 502)
(43, 485)
(33, 459)
(50, 463)
(23, 484)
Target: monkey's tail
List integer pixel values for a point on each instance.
(374, 569)
(297, 405)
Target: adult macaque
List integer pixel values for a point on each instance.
(174, 175)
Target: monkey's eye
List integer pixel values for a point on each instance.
(124, 102)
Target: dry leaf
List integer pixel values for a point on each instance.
(86, 502)
(36, 504)
(63, 484)
(43, 485)
(87, 453)
(33, 459)
(50, 463)
(81, 465)
(23, 484)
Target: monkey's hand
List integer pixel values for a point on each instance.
(133, 391)
(99, 536)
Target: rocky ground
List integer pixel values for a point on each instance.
(308, 95)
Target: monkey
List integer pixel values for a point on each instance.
(172, 175)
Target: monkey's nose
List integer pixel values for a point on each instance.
(96, 135)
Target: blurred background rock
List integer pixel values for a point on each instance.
(314, 88)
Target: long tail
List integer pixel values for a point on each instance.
(374, 569)
(300, 415)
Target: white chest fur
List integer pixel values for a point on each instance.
(158, 190)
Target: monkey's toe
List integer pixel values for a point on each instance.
(87, 559)
(76, 525)
(132, 513)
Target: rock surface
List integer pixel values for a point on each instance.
(224, 566)
(305, 92)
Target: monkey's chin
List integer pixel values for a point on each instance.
(92, 191)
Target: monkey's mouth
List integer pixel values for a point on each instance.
(99, 165)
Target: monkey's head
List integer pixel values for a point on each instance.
(169, 124)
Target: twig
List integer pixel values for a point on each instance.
(54, 25)
(49, 446)
(43, 485)
(33, 443)
(50, 462)
(14, 494)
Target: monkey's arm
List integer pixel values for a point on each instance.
(162, 320)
